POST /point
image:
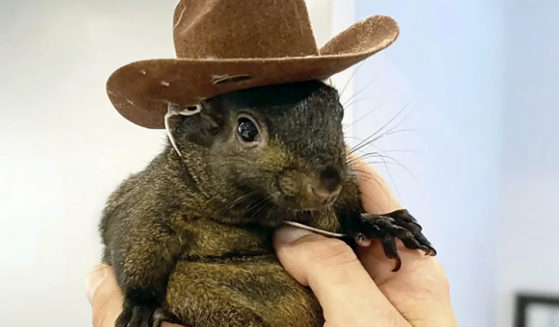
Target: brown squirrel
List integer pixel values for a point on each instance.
(190, 237)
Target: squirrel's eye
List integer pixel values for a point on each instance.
(247, 130)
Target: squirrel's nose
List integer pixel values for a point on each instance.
(322, 197)
(330, 178)
(325, 191)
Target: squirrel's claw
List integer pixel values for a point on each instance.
(386, 228)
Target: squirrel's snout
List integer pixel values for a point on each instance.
(311, 191)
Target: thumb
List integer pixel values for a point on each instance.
(346, 292)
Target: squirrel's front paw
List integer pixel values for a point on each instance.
(134, 315)
(386, 228)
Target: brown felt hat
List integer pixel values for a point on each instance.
(228, 45)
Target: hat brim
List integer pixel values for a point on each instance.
(141, 91)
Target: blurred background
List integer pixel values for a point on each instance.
(466, 102)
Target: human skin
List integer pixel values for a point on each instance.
(354, 288)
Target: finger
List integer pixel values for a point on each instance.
(420, 275)
(419, 290)
(104, 295)
(380, 267)
(376, 196)
(345, 291)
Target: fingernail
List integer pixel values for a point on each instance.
(287, 235)
(94, 280)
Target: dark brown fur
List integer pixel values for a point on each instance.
(190, 238)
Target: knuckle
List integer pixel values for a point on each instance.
(444, 284)
(438, 270)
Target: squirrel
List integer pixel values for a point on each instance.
(189, 237)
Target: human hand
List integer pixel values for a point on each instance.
(361, 290)
(106, 298)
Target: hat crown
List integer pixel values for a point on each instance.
(205, 29)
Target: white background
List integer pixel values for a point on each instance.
(478, 81)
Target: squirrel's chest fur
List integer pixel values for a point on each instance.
(207, 238)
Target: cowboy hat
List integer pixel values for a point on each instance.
(229, 45)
